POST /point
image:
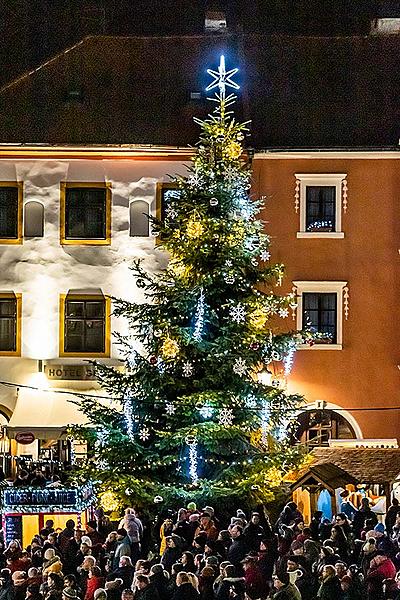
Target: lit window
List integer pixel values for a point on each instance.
(321, 198)
(139, 218)
(320, 308)
(33, 219)
(11, 212)
(10, 324)
(85, 325)
(85, 213)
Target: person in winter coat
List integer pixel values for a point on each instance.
(380, 568)
(33, 592)
(123, 548)
(254, 582)
(284, 589)
(20, 581)
(66, 535)
(351, 588)
(238, 549)
(172, 553)
(52, 562)
(165, 532)
(95, 581)
(254, 533)
(184, 588)
(361, 516)
(391, 515)
(6, 585)
(206, 580)
(159, 578)
(207, 525)
(124, 571)
(330, 588)
(144, 589)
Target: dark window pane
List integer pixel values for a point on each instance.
(8, 212)
(320, 208)
(85, 213)
(8, 325)
(320, 314)
(84, 326)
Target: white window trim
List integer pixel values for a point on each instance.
(328, 179)
(321, 287)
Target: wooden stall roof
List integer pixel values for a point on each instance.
(365, 465)
(326, 474)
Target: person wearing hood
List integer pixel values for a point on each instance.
(380, 568)
(284, 589)
(52, 562)
(330, 588)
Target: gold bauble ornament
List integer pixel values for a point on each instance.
(170, 348)
(258, 319)
(233, 150)
(109, 501)
(194, 229)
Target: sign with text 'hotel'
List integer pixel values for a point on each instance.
(70, 372)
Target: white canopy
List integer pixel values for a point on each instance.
(45, 414)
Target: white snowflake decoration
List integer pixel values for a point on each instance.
(187, 369)
(225, 416)
(238, 313)
(170, 409)
(283, 312)
(230, 174)
(228, 263)
(250, 402)
(240, 366)
(195, 179)
(206, 411)
(144, 433)
(171, 213)
(265, 255)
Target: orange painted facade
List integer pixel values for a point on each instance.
(364, 373)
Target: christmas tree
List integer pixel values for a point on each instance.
(188, 417)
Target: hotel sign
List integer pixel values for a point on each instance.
(70, 372)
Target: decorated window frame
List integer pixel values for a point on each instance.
(336, 180)
(341, 290)
(64, 298)
(19, 187)
(67, 241)
(17, 323)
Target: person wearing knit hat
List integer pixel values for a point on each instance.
(86, 540)
(69, 594)
(191, 507)
(285, 589)
(379, 528)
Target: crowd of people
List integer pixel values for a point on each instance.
(200, 555)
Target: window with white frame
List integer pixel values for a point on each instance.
(320, 199)
(321, 306)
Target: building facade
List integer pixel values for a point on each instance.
(332, 219)
(72, 220)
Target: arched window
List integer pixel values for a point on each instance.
(139, 219)
(33, 219)
(317, 427)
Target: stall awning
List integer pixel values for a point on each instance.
(45, 414)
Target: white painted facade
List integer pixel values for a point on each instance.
(41, 268)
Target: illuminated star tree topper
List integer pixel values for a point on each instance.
(222, 78)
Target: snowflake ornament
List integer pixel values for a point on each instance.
(265, 255)
(250, 402)
(238, 313)
(170, 409)
(229, 263)
(195, 179)
(171, 213)
(240, 367)
(283, 312)
(144, 433)
(187, 369)
(206, 411)
(225, 416)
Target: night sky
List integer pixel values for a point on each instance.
(33, 31)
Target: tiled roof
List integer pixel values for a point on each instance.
(365, 465)
(298, 91)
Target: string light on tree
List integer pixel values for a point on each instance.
(199, 318)
(191, 441)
